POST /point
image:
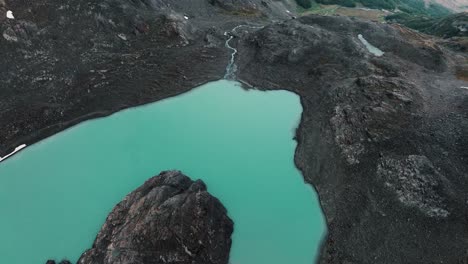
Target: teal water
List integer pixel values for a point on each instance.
(56, 194)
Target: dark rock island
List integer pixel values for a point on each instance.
(382, 139)
(169, 219)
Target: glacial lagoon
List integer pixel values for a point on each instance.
(56, 194)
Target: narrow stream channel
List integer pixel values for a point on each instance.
(231, 66)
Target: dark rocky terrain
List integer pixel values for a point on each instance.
(382, 139)
(169, 219)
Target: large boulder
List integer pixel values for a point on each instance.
(169, 219)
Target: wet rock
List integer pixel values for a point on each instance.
(169, 219)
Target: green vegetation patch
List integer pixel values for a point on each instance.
(414, 7)
(450, 26)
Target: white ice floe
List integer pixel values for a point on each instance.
(13, 153)
(372, 49)
(9, 14)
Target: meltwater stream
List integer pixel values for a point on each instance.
(231, 67)
(56, 194)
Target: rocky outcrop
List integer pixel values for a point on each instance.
(169, 219)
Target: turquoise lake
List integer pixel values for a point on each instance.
(56, 194)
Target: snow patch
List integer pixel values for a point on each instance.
(13, 153)
(9, 14)
(372, 49)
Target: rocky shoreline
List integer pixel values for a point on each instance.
(381, 139)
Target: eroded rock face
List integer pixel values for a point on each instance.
(169, 219)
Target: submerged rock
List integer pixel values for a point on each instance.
(169, 219)
(61, 262)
